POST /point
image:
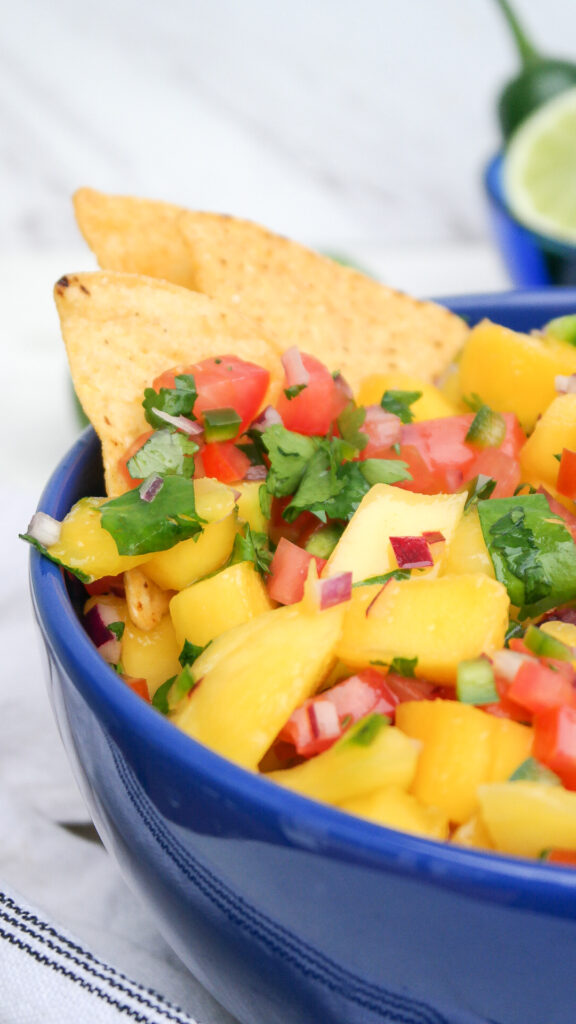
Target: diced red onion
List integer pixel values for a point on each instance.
(384, 429)
(256, 473)
(96, 622)
(296, 372)
(565, 385)
(412, 552)
(44, 529)
(334, 590)
(506, 663)
(183, 423)
(150, 488)
(433, 536)
(267, 418)
(324, 720)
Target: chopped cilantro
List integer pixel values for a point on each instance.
(294, 390)
(515, 629)
(140, 527)
(289, 454)
(479, 489)
(265, 501)
(166, 452)
(169, 694)
(349, 422)
(84, 577)
(395, 574)
(364, 732)
(176, 401)
(190, 652)
(384, 471)
(399, 402)
(117, 628)
(404, 666)
(251, 546)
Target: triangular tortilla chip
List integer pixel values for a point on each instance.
(348, 320)
(123, 330)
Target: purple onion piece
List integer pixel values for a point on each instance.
(267, 418)
(256, 473)
(150, 488)
(334, 590)
(187, 426)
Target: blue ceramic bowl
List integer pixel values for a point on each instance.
(291, 912)
(532, 260)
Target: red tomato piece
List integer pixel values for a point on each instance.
(314, 409)
(437, 454)
(138, 685)
(566, 482)
(224, 382)
(106, 585)
(312, 728)
(288, 572)
(555, 742)
(503, 468)
(408, 688)
(223, 461)
(559, 510)
(558, 856)
(538, 687)
(299, 531)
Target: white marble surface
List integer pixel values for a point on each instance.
(336, 121)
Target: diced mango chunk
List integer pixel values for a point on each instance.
(439, 621)
(252, 678)
(513, 372)
(207, 608)
(431, 405)
(248, 504)
(349, 770)
(386, 511)
(555, 430)
(86, 546)
(396, 808)
(151, 654)
(526, 818)
(462, 747)
(467, 551)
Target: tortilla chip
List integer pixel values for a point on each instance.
(146, 602)
(123, 330)
(347, 320)
(137, 236)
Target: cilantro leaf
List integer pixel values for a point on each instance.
(399, 402)
(160, 696)
(140, 527)
(166, 452)
(176, 401)
(84, 577)
(251, 546)
(117, 628)
(190, 652)
(394, 574)
(404, 666)
(289, 454)
(384, 471)
(294, 390)
(479, 489)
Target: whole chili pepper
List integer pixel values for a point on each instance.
(539, 80)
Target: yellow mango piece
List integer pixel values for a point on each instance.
(255, 675)
(151, 654)
(555, 430)
(472, 833)
(84, 545)
(398, 809)
(467, 551)
(441, 622)
(386, 511)
(349, 770)
(460, 751)
(248, 504)
(431, 405)
(191, 559)
(207, 608)
(513, 372)
(525, 818)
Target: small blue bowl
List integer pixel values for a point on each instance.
(532, 260)
(291, 912)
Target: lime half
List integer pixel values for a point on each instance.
(540, 169)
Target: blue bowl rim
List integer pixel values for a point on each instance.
(491, 877)
(492, 178)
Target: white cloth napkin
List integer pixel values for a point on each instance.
(71, 932)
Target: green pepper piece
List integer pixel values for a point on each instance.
(221, 424)
(539, 79)
(546, 646)
(475, 682)
(563, 328)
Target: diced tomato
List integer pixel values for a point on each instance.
(382, 429)
(223, 461)
(558, 856)
(138, 685)
(539, 687)
(558, 509)
(408, 688)
(288, 572)
(298, 531)
(123, 462)
(503, 468)
(555, 742)
(566, 482)
(224, 382)
(312, 729)
(314, 409)
(514, 437)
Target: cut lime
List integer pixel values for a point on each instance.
(540, 169)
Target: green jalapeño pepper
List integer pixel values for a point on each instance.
(540, 78)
